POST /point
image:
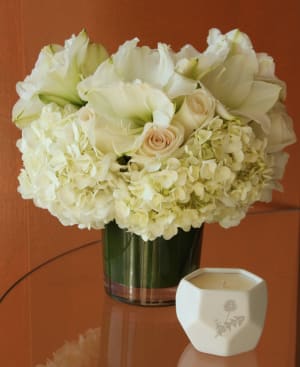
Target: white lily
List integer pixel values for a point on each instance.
(130, 63)
(103, 76)
(55, 76)
(194, 64)
(121, 112)
(234, 84)
(151, 66)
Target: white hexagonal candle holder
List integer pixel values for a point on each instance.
(222, 310)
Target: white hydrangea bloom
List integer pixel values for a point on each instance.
(63, 172)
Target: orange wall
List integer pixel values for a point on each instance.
(29, 235)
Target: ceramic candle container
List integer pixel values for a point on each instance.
(222, 311)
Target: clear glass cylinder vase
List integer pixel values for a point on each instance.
(147, 272)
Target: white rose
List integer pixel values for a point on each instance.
(161, 142)
(195, 110)
(281, 133)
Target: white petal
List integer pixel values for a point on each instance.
(260, 100)
(281, 132)
(151, 66)
(240, 42)
(130, 106)
(187, 52)
(166, 65)
(231, 82)
(223, 112)
(26, 111)
(214, 35)
(213, 56)
(104, 75)
(95, 55)
(179, 85)
(281, 159)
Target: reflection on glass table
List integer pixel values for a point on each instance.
(59, 315)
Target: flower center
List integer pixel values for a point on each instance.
(158, 139)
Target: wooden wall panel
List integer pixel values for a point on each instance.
(15, 346)
(13, 232)
(11, 56)
(29, 235)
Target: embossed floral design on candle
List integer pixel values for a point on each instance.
(222, 310)
(231, 321)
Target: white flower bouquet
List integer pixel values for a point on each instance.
(152, 139)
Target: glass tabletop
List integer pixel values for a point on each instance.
(59, 314)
